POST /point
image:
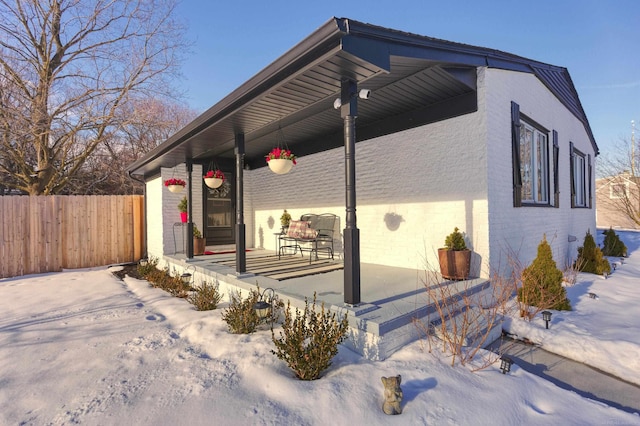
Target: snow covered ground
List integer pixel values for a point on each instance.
(82, 347)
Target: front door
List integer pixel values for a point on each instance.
(219, 213)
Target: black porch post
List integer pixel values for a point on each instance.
(349, 112)
(241, 243)
(190, 204)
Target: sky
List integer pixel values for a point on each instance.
(595, 40)
(83, 347)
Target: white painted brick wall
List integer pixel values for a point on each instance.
(522, 229)
(414, 174)
(162, 210)
(433, 178)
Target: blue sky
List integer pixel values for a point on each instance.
(596, 40)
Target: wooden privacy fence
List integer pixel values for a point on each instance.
(48, 233)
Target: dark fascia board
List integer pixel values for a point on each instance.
(322, 41)
(375, 44)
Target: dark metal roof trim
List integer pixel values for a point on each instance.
(297, 90)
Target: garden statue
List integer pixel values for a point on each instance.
(392, 395)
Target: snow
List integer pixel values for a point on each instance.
(83, 347)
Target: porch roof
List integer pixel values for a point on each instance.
(414, 80)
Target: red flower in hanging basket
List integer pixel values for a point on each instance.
(279, 153)
(174, 181)
(217, 174)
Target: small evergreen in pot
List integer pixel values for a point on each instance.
(455, 258)
(182, 208)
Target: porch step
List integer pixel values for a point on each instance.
(470, 325)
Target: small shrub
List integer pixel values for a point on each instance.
(308, 342)
(205, 297)
(163, 279)
(455, 241)
(542, 283)
(590, 257)
(151, 265)
(240, 316)
(613, 246)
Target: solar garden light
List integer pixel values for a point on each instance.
(505, 364)
(546, 316)
(186, 276)
(143, 262)
(622, 260)
(265, 304)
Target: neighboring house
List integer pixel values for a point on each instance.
(452, 135)
(617, 197)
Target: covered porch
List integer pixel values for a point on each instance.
(395, 305)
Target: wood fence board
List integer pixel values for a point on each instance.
(49, 233)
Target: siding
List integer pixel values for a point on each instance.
(521, 229)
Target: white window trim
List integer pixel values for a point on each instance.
(539, 184)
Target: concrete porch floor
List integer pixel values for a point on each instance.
(392, 298)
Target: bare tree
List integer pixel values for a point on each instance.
(144, 124)
(619, 179)
(67, 68)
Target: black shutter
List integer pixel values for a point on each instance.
(589, 177)
(515, 153)
(571, 175)
(556, 183)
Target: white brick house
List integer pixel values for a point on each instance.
(435, 150)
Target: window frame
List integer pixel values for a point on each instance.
(551, 155)
(580, 175)
(613, 195)
(540, 185)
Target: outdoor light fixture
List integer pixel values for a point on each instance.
(593, 296)
(186, 277)
(622, 260)
(362, 94)
(262, 306)
(546, 316)
(143, 262)
(614, 266)
(505, 364)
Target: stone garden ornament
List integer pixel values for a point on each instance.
(392, 395)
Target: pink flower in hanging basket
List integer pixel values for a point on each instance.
(279, 153)
(174, 181)
(217, 174)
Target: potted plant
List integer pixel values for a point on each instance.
(175, 185)
(280, 160)
(199, 242)
(455, 258)
(182, 208)
(285, 219)
(214, 178)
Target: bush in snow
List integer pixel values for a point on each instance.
(309, 341)
(542, 284)
(613, 246)
(591, 259)
(205, 297)
(240, 316)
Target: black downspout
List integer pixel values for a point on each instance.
(349, 112)
(241, 243)
(190, 202)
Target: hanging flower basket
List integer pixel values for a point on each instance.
(214, 178)
(280, 160)
(175, 185)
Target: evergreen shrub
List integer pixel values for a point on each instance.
(542, 282)
(613, 246)
(591, 259)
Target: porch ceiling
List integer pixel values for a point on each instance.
(414, 80)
